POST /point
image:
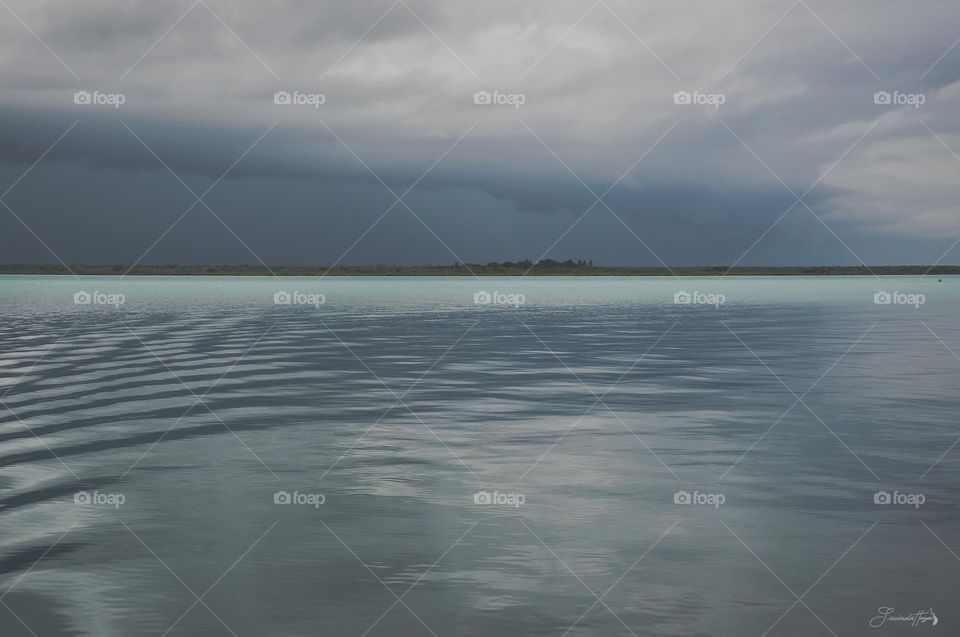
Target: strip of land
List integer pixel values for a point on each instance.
(509, 268)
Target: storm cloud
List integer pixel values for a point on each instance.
(815, 133)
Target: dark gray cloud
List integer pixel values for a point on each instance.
(398, 96)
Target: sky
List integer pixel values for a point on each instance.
(751, 132)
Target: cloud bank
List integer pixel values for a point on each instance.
(628, 133)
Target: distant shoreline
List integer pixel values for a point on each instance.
(547, 268)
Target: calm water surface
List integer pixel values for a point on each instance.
(147, 452)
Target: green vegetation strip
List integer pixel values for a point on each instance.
(546, 267)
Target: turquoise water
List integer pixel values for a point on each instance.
(497, 466)
(27, 293)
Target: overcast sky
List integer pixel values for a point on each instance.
(786, 159)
